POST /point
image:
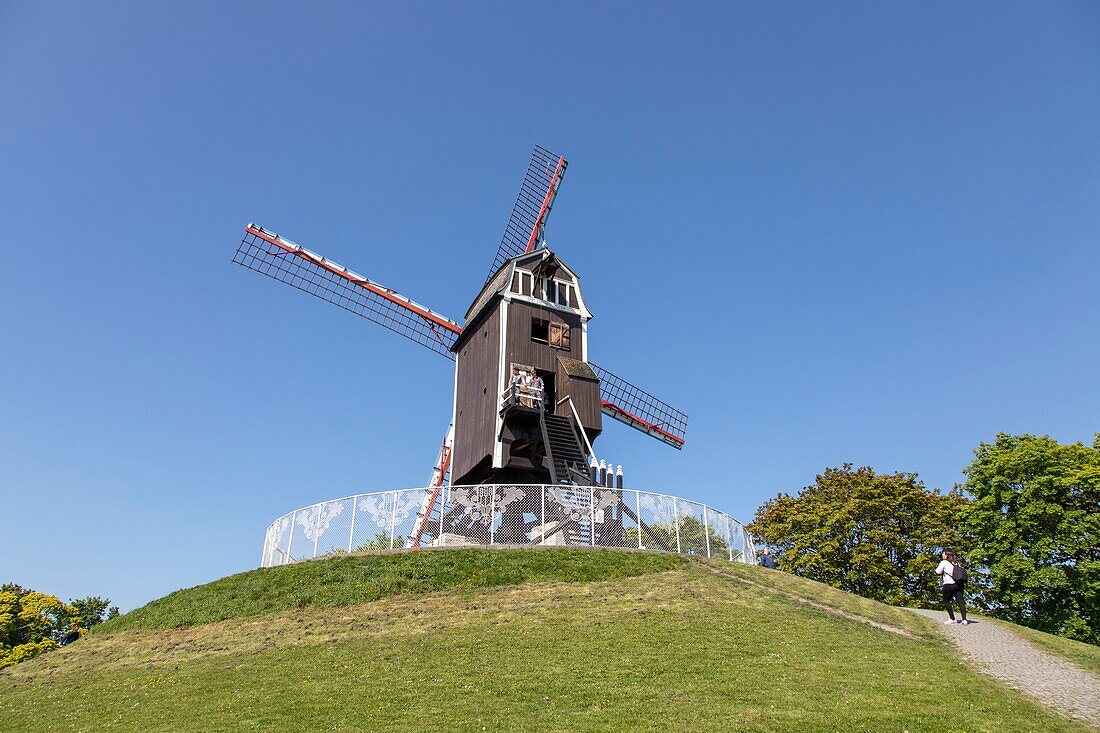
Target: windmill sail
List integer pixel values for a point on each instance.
(637, 408)
(283, 260)
(536, 197)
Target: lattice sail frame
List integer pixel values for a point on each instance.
(280, 259)
(639, 409)
(527, 221)
(290, 263)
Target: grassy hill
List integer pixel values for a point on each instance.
(512, 640)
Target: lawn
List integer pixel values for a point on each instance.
(676, 648)
(349, 579)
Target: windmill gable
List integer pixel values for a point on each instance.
(537, 277)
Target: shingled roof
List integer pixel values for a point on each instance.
(577, 369)
(497, 283)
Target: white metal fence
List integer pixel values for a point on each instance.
(507, 515)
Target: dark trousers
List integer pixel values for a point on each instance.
(953, 592)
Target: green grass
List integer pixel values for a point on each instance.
(352, 579)
(834, 598)
(1083, 655)
(631, 650)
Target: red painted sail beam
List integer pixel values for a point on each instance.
(633, 420)
(547, 200)
(355, 278)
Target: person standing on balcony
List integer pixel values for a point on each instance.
(525, 389)
(536, 388)
(514, 384)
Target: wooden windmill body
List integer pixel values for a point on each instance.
(529, 318)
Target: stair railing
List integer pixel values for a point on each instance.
(546, 445)
(577, 417)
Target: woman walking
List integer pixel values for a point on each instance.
(952, 588)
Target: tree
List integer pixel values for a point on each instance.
(380, 541)
(1036, 523)
(875, 535)
(30, 623)
(92, 611)
(693, 537)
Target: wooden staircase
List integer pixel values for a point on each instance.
(565, 456)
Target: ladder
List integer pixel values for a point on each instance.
(435, 486)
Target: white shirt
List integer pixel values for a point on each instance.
(945, 569)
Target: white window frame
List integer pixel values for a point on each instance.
(525, 276)
(551, 289)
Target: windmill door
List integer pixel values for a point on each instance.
(550, 394)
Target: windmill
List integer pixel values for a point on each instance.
(528, 402)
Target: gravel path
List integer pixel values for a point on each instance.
(1055, 682)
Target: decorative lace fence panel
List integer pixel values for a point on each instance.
(519, 515)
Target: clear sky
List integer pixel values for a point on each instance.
(829, 233)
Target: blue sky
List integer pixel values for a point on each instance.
(830, 234)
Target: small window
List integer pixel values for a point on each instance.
(559, 336)
(521, 282)
(540, 330)
(558, 292)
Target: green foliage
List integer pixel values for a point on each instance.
(92, 611)
(380, 541)
(347, 580)
(877, 535)
(693, 537)
(30, 623)
(1036, 522)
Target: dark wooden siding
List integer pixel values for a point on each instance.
(477, 398)
(586, 398)
(521, 349)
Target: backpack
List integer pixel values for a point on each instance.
(958, 573)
